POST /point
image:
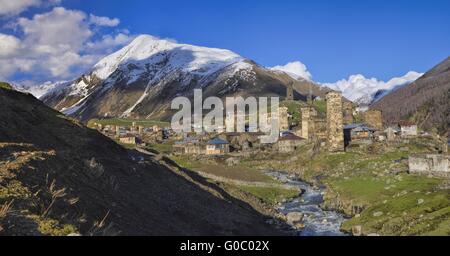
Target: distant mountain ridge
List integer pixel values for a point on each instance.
(141, 79)
(364, 91)
(426, 101)
(39, 90)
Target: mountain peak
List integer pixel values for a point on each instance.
(147, 49)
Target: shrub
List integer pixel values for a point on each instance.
(6, 86)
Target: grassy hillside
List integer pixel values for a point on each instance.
(58, 177)
(128, 122)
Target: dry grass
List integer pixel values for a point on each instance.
(6, 208)
(56, 194)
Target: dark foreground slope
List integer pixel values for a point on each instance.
(59, 177)
(426, 101)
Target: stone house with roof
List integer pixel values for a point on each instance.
(408, 128)
(289, 143)
(358, 134)
(217, 146)
(189, 146)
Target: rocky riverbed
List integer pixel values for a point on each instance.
(304, 213)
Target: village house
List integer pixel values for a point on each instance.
(289, 143)
(189, 146)
(130, 140)
(408, 128)
(217, 146)
(358, 134)
(242, 141)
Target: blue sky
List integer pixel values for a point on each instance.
(334, 39)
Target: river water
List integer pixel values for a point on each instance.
(317, 221)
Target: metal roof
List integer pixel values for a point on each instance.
(359, 127)
(217, 141)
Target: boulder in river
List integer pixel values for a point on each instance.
(294, 218)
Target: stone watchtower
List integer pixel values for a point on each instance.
(290, 91)
(308, 116)
(283, 118)
(374, 118)
(335, 127)
(347, 108)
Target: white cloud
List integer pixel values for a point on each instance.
(104, 21)
(57, 28)
(295, 69)
(14, 7)
(109, 41)
(58, 44)
(9, 45)
(363, 90)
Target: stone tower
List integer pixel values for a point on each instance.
(290, 91)
(117, 130)
(308, 116)
(446, 142)
(283, 119)
(347, 108)
(374, 118)
(335, 127)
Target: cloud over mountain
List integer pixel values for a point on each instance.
(58, 44)
(295, 69)
(364, 90)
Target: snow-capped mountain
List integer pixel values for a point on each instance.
(38, 90)
(142, 78)
(365, 91)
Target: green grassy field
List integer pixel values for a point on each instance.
(394, 202)
(241, 173)
(270, 195)
(128, 122)
(165, 148)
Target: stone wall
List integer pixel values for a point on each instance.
(374, 119)
(430, 164)
(335, 126)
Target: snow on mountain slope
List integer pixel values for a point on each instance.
(38, 90)
(149, 50)
(140, 67)
(362, 90)
(141, 79)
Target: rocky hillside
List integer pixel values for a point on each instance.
(426, 101)
(142, 78)
(58, 177)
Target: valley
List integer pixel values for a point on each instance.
(371, 187)
(338, 167)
